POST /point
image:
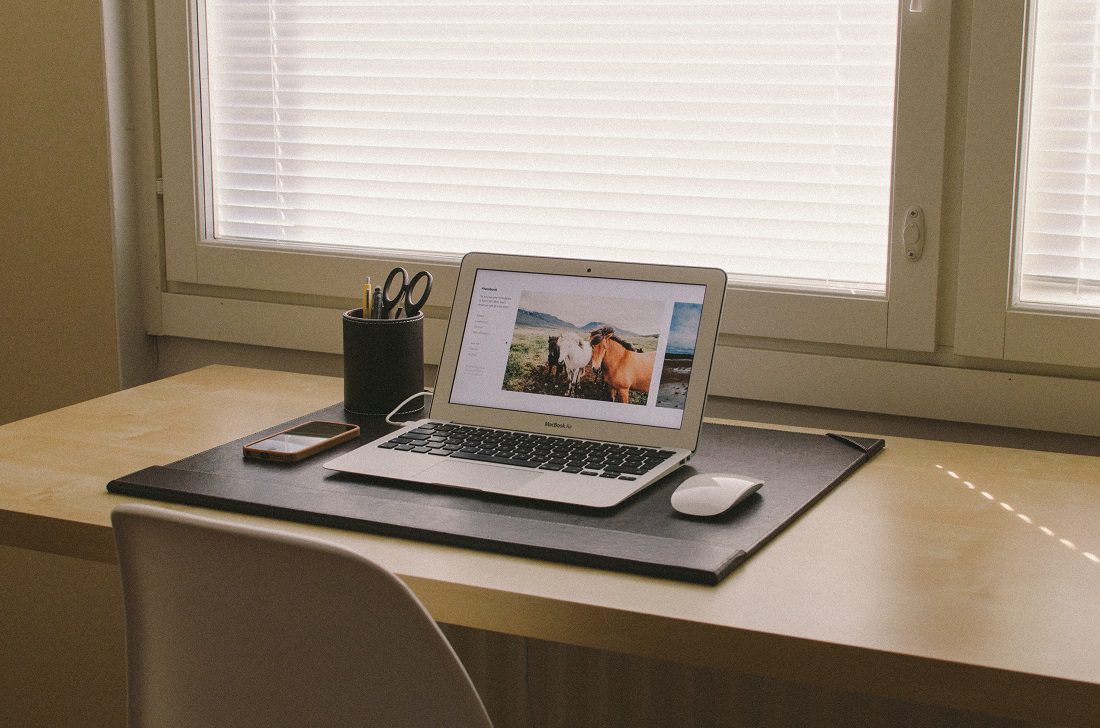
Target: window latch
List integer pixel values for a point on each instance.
(912, 233)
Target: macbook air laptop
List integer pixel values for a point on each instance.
(572, 381)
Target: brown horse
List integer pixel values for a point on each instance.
(623, 367)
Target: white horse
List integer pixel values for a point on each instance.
(575, 354)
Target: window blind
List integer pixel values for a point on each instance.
(751, 135)
(1058, 245)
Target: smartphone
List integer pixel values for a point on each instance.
(301, 441)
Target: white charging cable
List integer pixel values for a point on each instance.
(428, 392)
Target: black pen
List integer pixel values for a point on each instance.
(376, 303)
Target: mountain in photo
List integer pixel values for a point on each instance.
(593, 325)
(538, 319)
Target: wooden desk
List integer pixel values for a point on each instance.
(949, 575)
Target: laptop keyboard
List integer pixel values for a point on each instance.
(526, 450)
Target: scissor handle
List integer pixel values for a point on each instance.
(413, 307)
(389, 302)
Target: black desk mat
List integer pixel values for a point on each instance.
(643, 535)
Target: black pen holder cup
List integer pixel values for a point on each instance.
(383, 363)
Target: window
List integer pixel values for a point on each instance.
(1028, 267)
(756, 135)
(1058, 245)
(307, 145)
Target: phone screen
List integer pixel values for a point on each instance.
(301, 437)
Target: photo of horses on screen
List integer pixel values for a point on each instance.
(605, 349)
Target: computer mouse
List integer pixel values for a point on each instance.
(709, 494)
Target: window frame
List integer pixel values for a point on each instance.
(326, 276)
(988, 324)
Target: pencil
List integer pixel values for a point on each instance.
(366, 298)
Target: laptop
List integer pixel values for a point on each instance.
(562, 380)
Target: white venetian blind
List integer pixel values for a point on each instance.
(1058, 247)
(751, 135)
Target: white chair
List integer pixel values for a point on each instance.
(233, 625)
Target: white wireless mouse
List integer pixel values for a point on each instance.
(709, 494)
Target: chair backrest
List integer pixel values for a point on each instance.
(234, 625)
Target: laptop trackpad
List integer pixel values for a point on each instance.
(479, 477)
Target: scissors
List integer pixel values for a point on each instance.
(405, 291)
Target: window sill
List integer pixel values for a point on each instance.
(784, 378)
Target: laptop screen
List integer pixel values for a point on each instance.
(606, 349)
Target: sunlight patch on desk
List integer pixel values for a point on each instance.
(1023, 517)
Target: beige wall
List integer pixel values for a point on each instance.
(58, 333)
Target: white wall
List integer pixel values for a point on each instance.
(58, 332)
